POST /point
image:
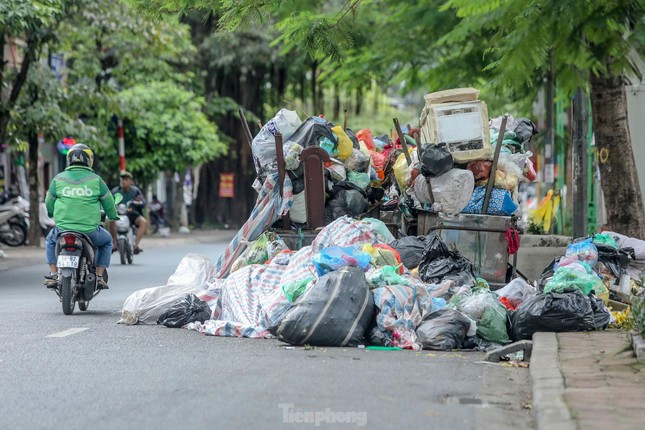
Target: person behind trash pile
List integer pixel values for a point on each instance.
(133, 196)
(74, 200)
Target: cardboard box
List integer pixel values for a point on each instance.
(452, 96)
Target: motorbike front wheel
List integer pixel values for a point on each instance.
(14, 235)
(122, 250)
(67, 295)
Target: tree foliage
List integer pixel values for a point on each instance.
(167, 130)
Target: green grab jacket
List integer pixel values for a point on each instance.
(75, 198)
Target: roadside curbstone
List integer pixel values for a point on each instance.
(550, 408)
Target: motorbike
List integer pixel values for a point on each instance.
(14, 221)
(75, 260)
(157, 219)
(125, 235)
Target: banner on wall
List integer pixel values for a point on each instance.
(227, 185)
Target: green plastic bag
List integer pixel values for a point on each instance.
(362, 180)
(387, 275)
(492, 326)
(605, 239)
(296, 288)
(566, 278)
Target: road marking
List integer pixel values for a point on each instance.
(68, 332)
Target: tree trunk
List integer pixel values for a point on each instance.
(359, 100)
(618, 175)
(336, 112)
(34, 189)
(314, 92)
(321, 99)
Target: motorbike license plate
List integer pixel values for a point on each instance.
(68, 261)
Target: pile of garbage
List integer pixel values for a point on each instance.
(447, 173)
(608, 263)
(353, 174)
(356, 284)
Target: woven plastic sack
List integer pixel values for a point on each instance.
(500, 202)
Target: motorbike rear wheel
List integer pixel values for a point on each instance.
(16, 235)
(67, 295)
(129, 252)
(82, 305)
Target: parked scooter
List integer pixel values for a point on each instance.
(14, 221)
(75, 260)
(125, 234)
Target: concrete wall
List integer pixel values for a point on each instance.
(636, 112)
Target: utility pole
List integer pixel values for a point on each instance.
(580, 161)
(548, 143)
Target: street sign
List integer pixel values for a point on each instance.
(227, 185)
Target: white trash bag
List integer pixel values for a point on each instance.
(263, 146)
(145, 306)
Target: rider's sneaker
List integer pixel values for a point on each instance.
(51, 280)
(137, 250)
(101, 284)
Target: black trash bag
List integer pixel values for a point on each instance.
(298, 185)
(524, 130)
(461, 278)
(435, 248)
(346, 198)
(353, 138)
(617, 260)
(558, 312)
(375, 195)
(443, 330)
(315, 131)
(547, 274)
(601, 314)
(439, 263)
(435, 160)
(336, 311)
(476, 343)
(187, 310)
(410, 248)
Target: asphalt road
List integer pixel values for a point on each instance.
(85, 371)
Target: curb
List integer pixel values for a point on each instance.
(550, 408)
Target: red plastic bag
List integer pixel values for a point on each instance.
(480, 168)
(366, 136)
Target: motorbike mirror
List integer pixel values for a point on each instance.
(118, 197)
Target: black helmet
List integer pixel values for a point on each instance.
(80, 154)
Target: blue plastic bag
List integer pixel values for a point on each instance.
(335, 257)
(500, 202)
(585, 251)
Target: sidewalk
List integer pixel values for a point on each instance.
(587, 381)
(28, 255)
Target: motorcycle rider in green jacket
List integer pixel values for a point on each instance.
(74, 200)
